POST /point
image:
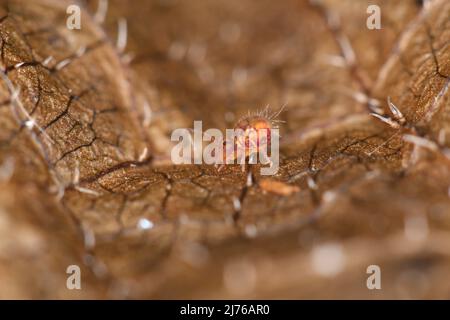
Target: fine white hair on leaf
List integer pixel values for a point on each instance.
(58, 187)
(122, 34)
(373, 104)
(81, 50)
(335, 61)
(147, 114)
(311, 183)
(89, 237)
(251, 231)
(333, 18)
(102, 10)
(386, 120)
(347, 50)
(372, 174)
(434, 107)
(249, 180)
(446, 152)
(128, 57)
(375, 109)
(360, 97)
(395, 111)
(60, 192)
(329, 196)
(76, 175)
(414, 157)
(143, 154)
(18, 65)
(442, 137)
(15, 94)
(421, 142)
(236, 204)
(63, 63)
(87, 191)
(383, 144)
(297, 176)
(47, 61)
(20, 110)
(6, 169)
